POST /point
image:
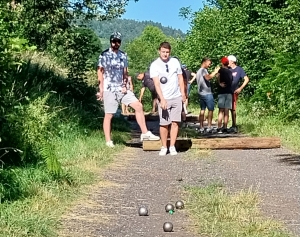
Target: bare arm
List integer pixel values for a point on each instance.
(246, 81)
(125, 77)
(213, 74)
(100, 72)
(142, 94)
(130, 83)
(193, 78)
(157, 88)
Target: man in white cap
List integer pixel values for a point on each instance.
(238, 74)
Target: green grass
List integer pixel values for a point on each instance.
(256, 124)
(218, 213)
(44, 199)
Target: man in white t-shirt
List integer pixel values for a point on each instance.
(169, 85)
(113, 77)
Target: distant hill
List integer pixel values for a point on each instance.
(130, 29)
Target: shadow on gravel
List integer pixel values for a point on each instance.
(289, 159)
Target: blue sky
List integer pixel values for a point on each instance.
(162, 11)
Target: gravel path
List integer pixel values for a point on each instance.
(139, 178)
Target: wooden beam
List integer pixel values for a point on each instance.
(149, 117)
(181, 144)
(219, 143)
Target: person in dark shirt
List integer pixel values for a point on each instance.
(149, 83)
(238, 75)
(224, 94)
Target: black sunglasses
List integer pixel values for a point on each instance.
(116, 41)
(167, 68)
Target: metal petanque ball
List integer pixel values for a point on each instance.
(169, 207)
(163, 80)
(179, 205)
(168, 227)
(143, 211)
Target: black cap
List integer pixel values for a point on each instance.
(115, 35)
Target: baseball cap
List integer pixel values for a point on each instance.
(115, 35)
(232, 58)
(225, 61)
(183, 66)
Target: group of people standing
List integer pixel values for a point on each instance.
(228, 77)
(169, 83)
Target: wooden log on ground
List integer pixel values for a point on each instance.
(219, 143)
(150, 117)
(181, 144)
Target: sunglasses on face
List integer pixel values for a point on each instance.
(116, 41)
(167, 68)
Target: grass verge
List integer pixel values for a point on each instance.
(44, 199)
(217, 213)
(255, 124)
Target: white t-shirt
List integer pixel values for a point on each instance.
(170, 70)
(113, 65)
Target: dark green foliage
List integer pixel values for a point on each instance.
(130, 29)
(279, 91)
(38, 103)
(144, 49)
(78, 49)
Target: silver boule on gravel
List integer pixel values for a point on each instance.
(168, 227)
(179, 205)
(169, 207)
(143, 211)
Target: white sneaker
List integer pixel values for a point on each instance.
(209, 130)
(110, 144)
(149, 136)
(163, 151)
(173, 151)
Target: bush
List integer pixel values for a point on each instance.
(279, 91)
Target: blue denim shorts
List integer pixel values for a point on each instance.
(207, 101)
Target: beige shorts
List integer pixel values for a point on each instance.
(111, 100)
(172, 113)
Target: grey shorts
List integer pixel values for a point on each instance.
(111, 100)
(225, 101)
(172, 113)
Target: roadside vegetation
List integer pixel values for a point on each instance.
(216, 212)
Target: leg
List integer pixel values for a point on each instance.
(233, 110)
(107, 126)
(201, 118)
(202, 110)
(210, 107)
(220, 117)
(210, 116)
(226, 116)
(164, 131)
(154, 105)
(110, 108)
(173, 133)
(233, 116)
(139, 115)
(123, 108)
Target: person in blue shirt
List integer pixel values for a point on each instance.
(238, 74)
